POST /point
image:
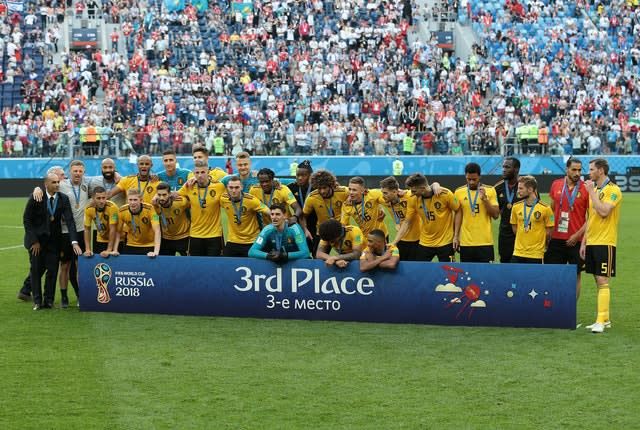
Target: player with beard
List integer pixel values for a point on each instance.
(301, 189)
(363, 206)
(324, 202)
(108, 180)
(269, 192)
(472, 234)
(570, 203)
(531, 222)
(174, 221)
(205, 233)
(507, 191)
(243, 168)
(143, 181)
(242, 210)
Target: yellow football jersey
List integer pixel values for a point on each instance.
(139, 227)
(436, 215)
(282, 195)
(365, 213)
(205, 209)
(147, 188)
(399, 210)
(174, 221)
(604, 231)
(243, 217)
(394, 252)
(104, 222)
(352, 237)
(531, 241)
(476, 228)
(215, 174)
(326, 209)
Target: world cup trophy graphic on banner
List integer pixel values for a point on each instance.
(102, 273)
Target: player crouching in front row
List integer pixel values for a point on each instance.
(378, 253)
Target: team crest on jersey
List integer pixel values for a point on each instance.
(339, 203)
(438, 205)
(149, 189)
(347, 243)
(176, 211)
(212, 193)
(83, 187)
(600, 196)
(180, 181)
(537, 214)
(145, 220)
(368, 205)
(275, 200)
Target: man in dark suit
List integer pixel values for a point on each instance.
(43, 233)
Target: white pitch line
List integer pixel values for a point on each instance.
(11, 226)
(10, 247)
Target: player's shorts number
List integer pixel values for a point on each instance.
(604, 268)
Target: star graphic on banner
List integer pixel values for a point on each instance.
(533, 293)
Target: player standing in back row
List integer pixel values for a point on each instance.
(473, 234)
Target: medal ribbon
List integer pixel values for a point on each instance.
(329, 207)
(203, 199)
(264, 197)
(280, 236)
(98, 222)
(527, 219)
(604, 184)
(396, 217)
(163, 218)
(76, 195)
(509, 194)
(570, 198)
(141, 191)
(425, 209)
(472, 206)
(361, 216)
(51, 208)
(108, 187)
(238, 209)
(133, 222)
(303, 197)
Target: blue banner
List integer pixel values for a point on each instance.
(174, 5)
(470, 294)
(19, 168)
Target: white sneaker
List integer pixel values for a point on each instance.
(607, 324)
(597, 327)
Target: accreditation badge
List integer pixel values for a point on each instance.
(563, 222)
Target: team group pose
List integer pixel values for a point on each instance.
(208, 212)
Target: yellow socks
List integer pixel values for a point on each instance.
(604, 296)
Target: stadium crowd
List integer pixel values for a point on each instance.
(324, 77)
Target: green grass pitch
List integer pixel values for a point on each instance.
(63, 369)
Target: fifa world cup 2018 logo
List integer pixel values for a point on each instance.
(102, 273)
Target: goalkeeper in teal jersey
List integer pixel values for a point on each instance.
(278, 241)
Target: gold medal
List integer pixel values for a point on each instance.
(52, 218)
(473, 213)
(77, 206)
(526, 228)
(509, 205)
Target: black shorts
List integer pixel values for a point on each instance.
(559, 253)
(477, 254)
(171, 247)
(525, 260)
(137, 250)
(505, 247)
(408, 250)
(444, 253)
(236, 249)
(205, 246)
(600, 260)
(98, 247)
(66, 249)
